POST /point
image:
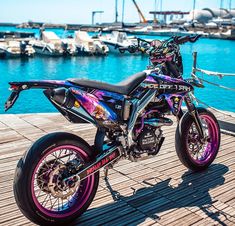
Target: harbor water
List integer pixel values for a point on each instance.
(213, 55)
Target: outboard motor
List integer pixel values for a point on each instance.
(65, 47)
(23, 46)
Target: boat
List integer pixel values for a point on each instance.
(50, 44)
(16, 35)
(118, 40)
(89, 46)
(229, 34)
(14, 48)
(70, 48)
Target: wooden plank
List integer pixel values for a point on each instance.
(157, 191)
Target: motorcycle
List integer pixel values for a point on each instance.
(57, 178)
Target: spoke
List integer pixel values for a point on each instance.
(45, 163)
(58, 205)
(62, 203)
(50, 200)
(43, 174)
(38, 192)
(54, 204)
(44, 200)
(197, 155)
(69, 155)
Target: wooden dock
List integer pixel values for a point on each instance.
(157, 191)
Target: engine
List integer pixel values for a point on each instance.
(147, 139)
(147, 134)
(147, 143)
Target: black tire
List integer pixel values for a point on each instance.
(25, 169)
(121, 50)
(181, 140)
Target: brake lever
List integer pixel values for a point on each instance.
(195, 38)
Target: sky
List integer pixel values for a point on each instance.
(79, 11)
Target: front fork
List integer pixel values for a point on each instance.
(194, 113)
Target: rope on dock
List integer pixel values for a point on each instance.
(212, 83)
(207, 72)
(215, 109)
(213, 73)
(195, 69)
(218, 85)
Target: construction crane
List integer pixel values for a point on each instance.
(142, 18)
(93, 15)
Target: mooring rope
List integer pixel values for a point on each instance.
(210, 73)
(215, 109)
(219, 74)
(218, 85)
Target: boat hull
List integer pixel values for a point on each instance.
(41, 50)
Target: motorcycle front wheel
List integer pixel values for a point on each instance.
(39, 189)
(192, 152)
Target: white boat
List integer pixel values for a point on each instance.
(229, 34)
(13, 48)
(118, 40)
(89, 46)
(51, 45)
(178, 31)
(70, 47)
(2, 51)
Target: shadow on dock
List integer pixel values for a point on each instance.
(158, 197)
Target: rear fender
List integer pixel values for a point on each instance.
(17, 87)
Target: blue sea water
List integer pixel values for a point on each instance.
(214, 55)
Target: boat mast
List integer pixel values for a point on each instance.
(123, 10)
(221, 7)
(161, 9)
(116, 11)
(194, 6)
(155, 9)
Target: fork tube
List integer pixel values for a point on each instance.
(194, 113)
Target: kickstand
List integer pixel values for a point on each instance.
(106, 172)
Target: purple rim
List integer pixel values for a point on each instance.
(77, 203)
(211, 149)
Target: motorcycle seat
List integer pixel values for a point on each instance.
(124, 87)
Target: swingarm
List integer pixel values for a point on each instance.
(105, 158)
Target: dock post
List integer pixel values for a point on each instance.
(194, 62)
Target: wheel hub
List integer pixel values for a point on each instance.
(56, 185)
(51, 180)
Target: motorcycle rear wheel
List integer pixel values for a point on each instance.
(38, 186)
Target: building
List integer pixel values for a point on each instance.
(206, 14)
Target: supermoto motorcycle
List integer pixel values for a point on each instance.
(57, 178)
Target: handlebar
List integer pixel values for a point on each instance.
(183, 39)
(179, 40)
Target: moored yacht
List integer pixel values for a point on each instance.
(89, 46)
(14, 48)
(51, 45)
(118, 40)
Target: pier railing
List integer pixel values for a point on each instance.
(201, 78)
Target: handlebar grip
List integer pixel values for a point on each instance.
(184, 39)
(195, 38)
